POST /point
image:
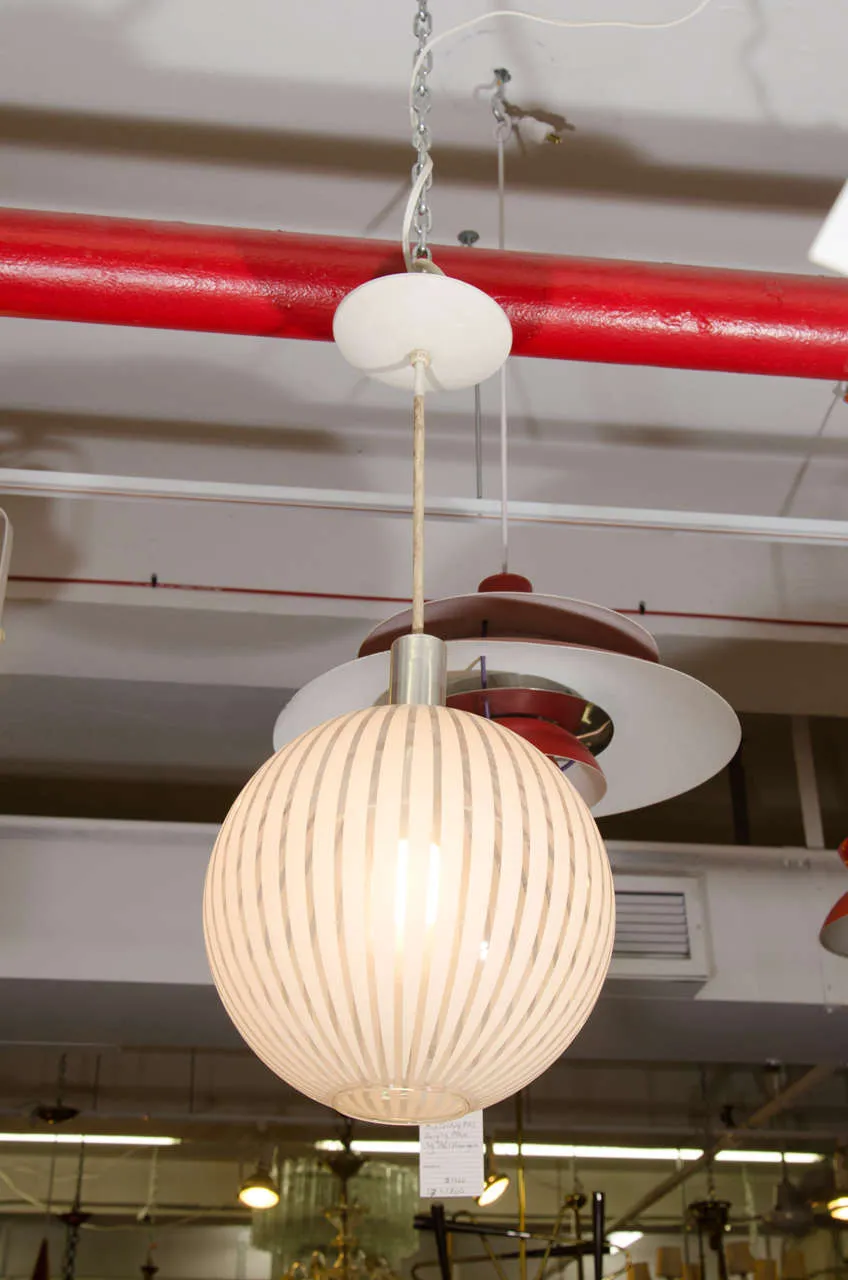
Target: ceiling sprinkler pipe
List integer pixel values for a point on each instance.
(145, 584)
(63, 266)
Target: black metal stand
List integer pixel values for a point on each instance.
(440, 1229)
(598, 1231)
(443, 1227)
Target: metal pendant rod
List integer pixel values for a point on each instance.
(419, 671)
(418, 514)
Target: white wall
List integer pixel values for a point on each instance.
(94, 901)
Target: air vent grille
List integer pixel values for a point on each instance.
(651, 926)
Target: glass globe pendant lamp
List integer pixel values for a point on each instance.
(409, 910)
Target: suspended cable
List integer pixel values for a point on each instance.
(469, 238)
(503, 129)
(840, 393)
(478, 440)
(420, 361)
(565, 23)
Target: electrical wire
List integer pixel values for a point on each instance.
(409, 213)
(420, 360)
(564, 23)
(21, 1194)
(478, 440)
(146, 1210)
(425, 176)
(5, 561)
(840, 393)
(504, 471)
(503, 129)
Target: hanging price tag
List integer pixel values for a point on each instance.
(452, 1158)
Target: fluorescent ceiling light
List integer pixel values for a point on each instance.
(768, 1157)
(562, 1151)
(558, 1151)
(373, 1147)
(91, 1139)
(532, 1150)
(624, 1239)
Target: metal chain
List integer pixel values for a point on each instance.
(422, 29)
(69, 1260)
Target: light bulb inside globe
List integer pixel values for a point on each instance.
(259, 1191)
(838, 1208)
(496, 1184)
(409, 913)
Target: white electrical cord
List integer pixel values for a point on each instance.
(565, 23)
(411, 205)
(839, 396)
(5, 560)
(420, 361)
(504, 473)
(502, 132)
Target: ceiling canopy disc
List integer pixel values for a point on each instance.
(518, 615)
(671, 731)
(466, 335)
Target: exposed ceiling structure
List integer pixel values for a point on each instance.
(162, 612)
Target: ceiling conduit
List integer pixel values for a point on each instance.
(60, 266)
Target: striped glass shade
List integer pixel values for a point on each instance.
(409, 913)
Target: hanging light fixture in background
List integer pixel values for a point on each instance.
(496, 1182)
(834, 931)
(409, 911)
(351, 1218)
(838, 1208)
(260, 1190)
(837, 1205)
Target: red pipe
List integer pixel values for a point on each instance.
(58, 266)
(153, 584)
(148, 584)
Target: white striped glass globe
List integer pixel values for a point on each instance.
(409, 913)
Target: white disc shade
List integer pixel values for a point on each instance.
(382, 952)
(466, 335)
(512, 615)
(670, 731)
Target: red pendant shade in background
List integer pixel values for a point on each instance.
(561, 723)
(834, 931)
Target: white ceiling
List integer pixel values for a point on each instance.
(721, 142)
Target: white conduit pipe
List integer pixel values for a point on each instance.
(760, 528)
